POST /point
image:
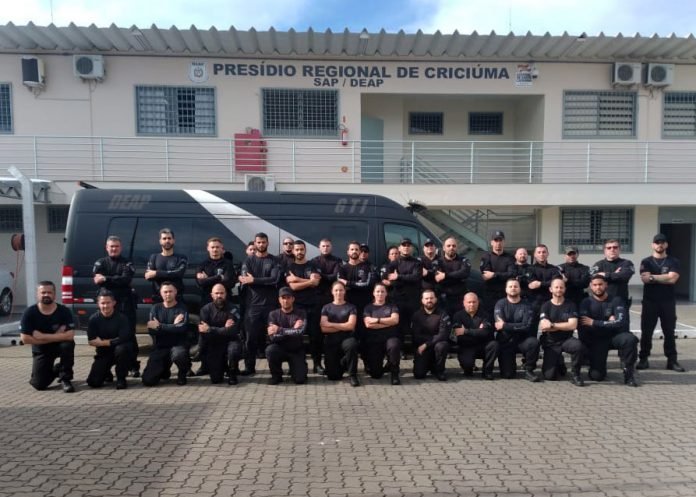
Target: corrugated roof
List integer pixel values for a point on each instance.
(310, 43)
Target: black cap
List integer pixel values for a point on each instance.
(286, 291)
(364, 247)
(406, 241)
(571, 248)
(497, 234)
(428, 241)
(659, 238)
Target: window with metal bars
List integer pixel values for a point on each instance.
(485, 123)
(599, 114)
(425, 123)
(589, 228)
(57, 218)
(5, 108)
(679, 115)
(289, 112)
(175, 110)
(11, 219)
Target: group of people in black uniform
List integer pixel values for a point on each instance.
(350, 310)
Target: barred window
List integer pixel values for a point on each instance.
(589, 228)
(11, 219)
(425, 123)
(679, 115)
(57, 218)
(174, 110)
(599, 114)
(5, 109)
(485, 123)
(300, 112)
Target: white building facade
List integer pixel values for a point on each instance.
(562, 140)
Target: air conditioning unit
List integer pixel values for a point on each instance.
(626, 73)
(259, 183)
(659, 75)
(88, 66)
(33, 74)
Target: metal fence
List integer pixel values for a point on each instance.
(209, 160)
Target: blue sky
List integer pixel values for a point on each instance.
(520, 16)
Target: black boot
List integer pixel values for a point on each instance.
(630, 378)
(395, 380)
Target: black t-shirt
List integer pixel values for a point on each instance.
(216, 317)
(478, 329)
(658, 292)
(34, 320)
(430, 328)
(309, 296)
(169, 334)
(169, 268)
(500, 264)
(518, 319)
(618, 273)
(601, 312)
(217, 271)
(118, 272)
(115, 328)
(263, 292)
(288, 337)
(360, 278)
(382, 312)
(558, 314)
(328, 267)
(339, 313)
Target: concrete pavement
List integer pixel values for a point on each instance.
(463, 437)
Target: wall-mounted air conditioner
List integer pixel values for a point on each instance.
(88, 66)
(626, 73)
(259, 183)
(659, 74)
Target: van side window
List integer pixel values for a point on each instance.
(339, 231)
(124, 228)
(146, 239)
(394, 233)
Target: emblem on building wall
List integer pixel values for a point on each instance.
(198, 72)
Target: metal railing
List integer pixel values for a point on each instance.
(205, 160)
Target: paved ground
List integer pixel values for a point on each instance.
(463, 437)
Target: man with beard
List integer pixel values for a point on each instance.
(602, 327)
(659, 273)
(328, 265)
(168, 327)
(430, 263)
(217, 269)
(451, 277)
(475, 337)
(559, 319)
(110, 333)
(497, 266)
(522, 270)
(260, 274)
(358, 279)
(166, 266)
(431, 330)
(513, 321)
(286, 326)
(303, 278)
(405, 276)
(220, 324)
(540, 277)
(115, 273)
(48, 328)
(575, 275)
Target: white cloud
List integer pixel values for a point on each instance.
(573, 16)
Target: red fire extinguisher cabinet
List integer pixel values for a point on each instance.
(250, 152)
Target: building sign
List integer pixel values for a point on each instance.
(360, 75)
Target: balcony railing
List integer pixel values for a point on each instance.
(192, 160)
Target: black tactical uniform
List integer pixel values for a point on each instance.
(115, 328)
(516, 336)
(224, 346)
(287, 345)
(454, 286)
(433, 330)
(555, 343)
(169, 345)
(494, 289)
(478, 341)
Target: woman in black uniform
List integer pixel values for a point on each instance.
(382, 335)
(338, 320)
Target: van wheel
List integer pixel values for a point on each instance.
(6, 302)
